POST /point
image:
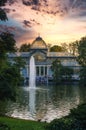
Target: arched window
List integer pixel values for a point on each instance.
(39, 56)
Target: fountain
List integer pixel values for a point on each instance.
(32, 76)
(32, 85)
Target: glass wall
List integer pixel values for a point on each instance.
(41, 70)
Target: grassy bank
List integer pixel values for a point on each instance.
(7, 123)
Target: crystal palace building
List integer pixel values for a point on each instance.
(43, 60)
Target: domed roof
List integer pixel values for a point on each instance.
(38, 43)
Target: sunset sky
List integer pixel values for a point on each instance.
(56, 21)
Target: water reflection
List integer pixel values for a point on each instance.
(32, 101)
(46, 104)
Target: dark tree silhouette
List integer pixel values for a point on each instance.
(3, 15)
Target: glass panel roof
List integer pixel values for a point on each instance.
(38, 43)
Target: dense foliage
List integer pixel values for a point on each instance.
(61, 72)
(75, 121)
(82, 60)
(3, 15)
(56, 68)
(82, 51)
(10, 78)
(9, 73)
(71, 48)
(83, 75)
(24, 48)
(66, 73)
(7, 42)
(56, 48)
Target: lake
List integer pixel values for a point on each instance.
(46, 103)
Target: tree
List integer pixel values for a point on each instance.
(73, 48)
(66, 73)
(83, 75)
(19, 62)
(10, 75)
(7, 42)
(61, 72)
(82, 59)
(76, 120)
(64, 46)
(56, 48)
(10, 78)
(56, 68)
(24, 47)
(3, 15)
(82, 51)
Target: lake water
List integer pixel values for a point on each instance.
(46, 102)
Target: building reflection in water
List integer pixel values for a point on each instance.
(48, 104)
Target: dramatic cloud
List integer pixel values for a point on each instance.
(27, 23)
(5, 28)
(57, 21)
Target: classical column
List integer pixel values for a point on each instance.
(44, 71)
(47, 70)
(27, 69)
(39, 70)
(47, 73)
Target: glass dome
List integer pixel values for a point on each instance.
(38, 43)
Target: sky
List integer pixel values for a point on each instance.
(56, 21)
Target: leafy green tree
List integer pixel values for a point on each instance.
(19, 62)
(82, 60)
(10, 78)
(61, 72)
(65, 46)
(66, 73)
(80, 114)
(56, 48)
(10, 75)
(7, 42)
(3, 15)
(56, 68)
(75, 121)
(82, 51)
(83, 76)
(24, 47)
(73, 48)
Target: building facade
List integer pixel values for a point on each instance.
(43, 60)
